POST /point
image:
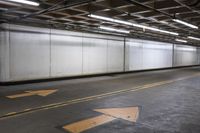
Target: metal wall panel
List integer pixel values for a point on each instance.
(134, 55)
(94, 55)
(198, 52)
(102, 36)
(66, 33)
(142, 54)
(115, 59)
(66, 55)
(157, 55)
(35, 53)
(4, 54)
(185, 55)
(26, 29)
(29, 55)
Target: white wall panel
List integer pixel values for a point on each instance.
(134, 55)
(115, 61)
(66, 55)
(26, 29)
(102, 36)
(156, 55)
(94, 55)
(142, 54)
(185, 55)
(29, 55)
(4, 54)
(198, 52)
(35, 53)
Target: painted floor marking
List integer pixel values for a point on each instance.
(94, 97)
(31, 93)
(110, 114)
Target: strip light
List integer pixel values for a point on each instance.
(26, 2)
(194, 38)
(131, 24)
(180, 40)
(185, 23)
(115, 30)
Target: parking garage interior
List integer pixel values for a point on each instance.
(104, 66)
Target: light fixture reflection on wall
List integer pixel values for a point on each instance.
(25, 2)
(132, 24)
(181, 40)
(114, 30)
(3, 9)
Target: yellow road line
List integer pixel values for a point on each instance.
(11, 113)
(94, 97)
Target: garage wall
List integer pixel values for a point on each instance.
(4, 53)
(198, 52)
(142, 54)
(35, 53)
(94, 55)
(102, 54)
(185, 55)
(29, 53)
(115, 60)
(66, 54)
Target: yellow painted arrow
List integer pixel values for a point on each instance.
(31, 93)
(130, 114)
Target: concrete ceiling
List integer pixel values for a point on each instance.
(74, 14)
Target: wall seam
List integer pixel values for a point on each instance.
(82, 55)
(50, 53)
(124, 55)
(173, 52)
(9, 54)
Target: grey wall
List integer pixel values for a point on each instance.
(66, 54)
(4, 54)
(198, 53)
(35, 53)
(142, 54)
(185, 55)
(29, 53)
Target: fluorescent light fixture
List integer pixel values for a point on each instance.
(132, 24)
(26, 2)
(194, 38)
(113, 29)
(185, 23)
(180, 40)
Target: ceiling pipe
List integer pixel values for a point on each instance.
(123, 12)
(148, 7)
(188, 6)
(43, 11)
(69, 3)
(191, 3)
(156, 10)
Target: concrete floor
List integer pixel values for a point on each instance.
(168, 102)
